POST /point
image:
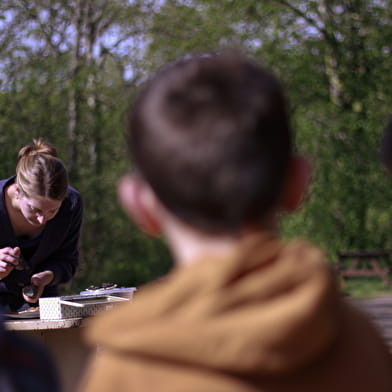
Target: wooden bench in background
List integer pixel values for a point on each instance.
(365, 263)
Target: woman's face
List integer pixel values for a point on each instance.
(37, 211)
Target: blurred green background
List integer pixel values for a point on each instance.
(69, 71)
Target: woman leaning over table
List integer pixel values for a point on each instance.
(40, 223)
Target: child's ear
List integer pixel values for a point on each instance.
(297, 182)
(140, 203)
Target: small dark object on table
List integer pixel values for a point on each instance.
(103, 286)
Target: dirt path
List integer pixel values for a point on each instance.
(380, 310)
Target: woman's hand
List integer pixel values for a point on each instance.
(8, 260)
(40, 280)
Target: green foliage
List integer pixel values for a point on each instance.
(69, 70)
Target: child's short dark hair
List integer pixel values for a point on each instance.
(211, 136)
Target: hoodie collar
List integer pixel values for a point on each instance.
(268, 307)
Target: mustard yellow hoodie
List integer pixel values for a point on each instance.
(265, 318)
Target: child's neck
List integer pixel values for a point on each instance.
(189, 245)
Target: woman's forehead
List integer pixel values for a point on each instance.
(42, 203)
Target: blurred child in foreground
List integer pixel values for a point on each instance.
(241, 310)
(25, 364)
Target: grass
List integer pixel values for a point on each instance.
(363, 288)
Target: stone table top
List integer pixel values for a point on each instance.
(37, 324)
